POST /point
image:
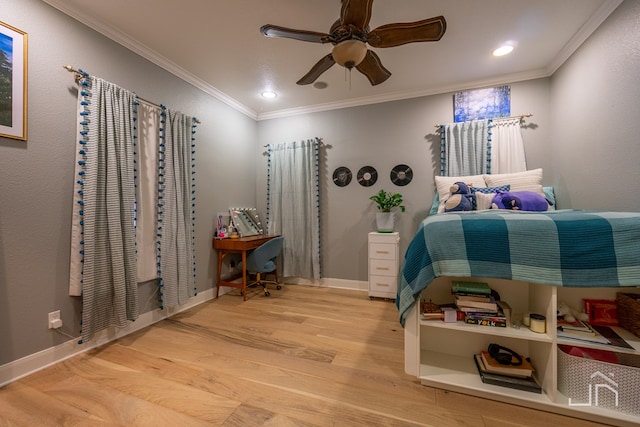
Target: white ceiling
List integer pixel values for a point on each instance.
(216, 45)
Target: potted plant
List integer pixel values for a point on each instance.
(385, 202)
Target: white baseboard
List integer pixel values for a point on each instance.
(34, 362)
(27, 365)
(357, 285)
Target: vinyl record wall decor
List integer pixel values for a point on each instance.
(401, 175)
(342, 176)
(367, 176)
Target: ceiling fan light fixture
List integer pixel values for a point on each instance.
(349, 53)
(351, 35)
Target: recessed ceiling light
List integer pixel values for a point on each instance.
(269, 94)
(503, 50)
(320, 85)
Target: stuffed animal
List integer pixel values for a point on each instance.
(569, 314)
(520, 201)
(460, 199)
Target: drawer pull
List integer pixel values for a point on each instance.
(382, 252)
(382, 284)
(382, 268)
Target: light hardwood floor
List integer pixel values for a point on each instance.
(305, 356)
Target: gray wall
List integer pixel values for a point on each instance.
(595, 150)
(383, 136)
(584, 134)
(591, 165)
(36, 176)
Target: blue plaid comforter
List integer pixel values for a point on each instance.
(563, 248)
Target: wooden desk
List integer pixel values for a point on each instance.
(241, 244)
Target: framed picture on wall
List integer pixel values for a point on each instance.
(13, 82)
(488, 103)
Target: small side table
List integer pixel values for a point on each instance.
(384, 258)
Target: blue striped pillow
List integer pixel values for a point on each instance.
(487, 190)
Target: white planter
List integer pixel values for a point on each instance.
(384, 222)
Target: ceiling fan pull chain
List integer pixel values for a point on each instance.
(347, 76)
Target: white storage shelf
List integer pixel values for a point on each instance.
(451, 372)
(523, 333)
(441, 354)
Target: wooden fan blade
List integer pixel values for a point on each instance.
(373, 68)
(290, 33)
(427, 30)
(320, 67)
(356, 12)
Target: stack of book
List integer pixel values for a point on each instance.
(474, 299)
(584, 331)
(579, 330)
(518, 377)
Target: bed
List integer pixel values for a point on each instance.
(571, 248)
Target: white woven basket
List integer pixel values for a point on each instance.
(588, 382)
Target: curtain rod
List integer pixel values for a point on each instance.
(79, 75)
(320, 141)
(521, 116)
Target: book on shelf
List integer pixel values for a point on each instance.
(526, 384)
(432, 315)
(611, 335)
(591, 336)
(576, 325)
(489, 304)
(505, 308)
(589, 333)
(601, 312)
(495, 321)
(602, 335)
(460, 286)
(472, 297)
(485, 311)
(491, 365)
(595, 339)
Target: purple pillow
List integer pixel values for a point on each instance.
(521, 201)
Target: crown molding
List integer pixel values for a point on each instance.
(112, 33)
(583, 34)
(576, 41)
(153, 56)
(401, 95)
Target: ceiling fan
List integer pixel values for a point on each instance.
(350, 35)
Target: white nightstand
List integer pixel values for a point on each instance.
(384, 265)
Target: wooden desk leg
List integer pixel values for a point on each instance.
(220, 256)
(244, 275)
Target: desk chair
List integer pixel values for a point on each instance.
(262, 260)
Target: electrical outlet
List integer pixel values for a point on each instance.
(54, 320)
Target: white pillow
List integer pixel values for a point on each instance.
(444, 183)
(520, 181)
(483, 200)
